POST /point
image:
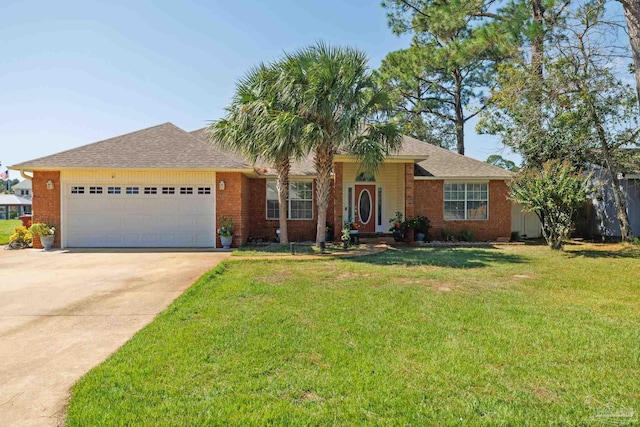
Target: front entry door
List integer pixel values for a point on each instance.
(365, 205)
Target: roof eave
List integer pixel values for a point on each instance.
(388, 159)
(463, 178)
(92, 168)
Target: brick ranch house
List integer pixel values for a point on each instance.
(165, 187)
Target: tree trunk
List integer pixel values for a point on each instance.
(612, 168)
(537, 43)
(632, 15)
(282, 185)
(537, 75)
(457, 100)
(323, 160)
(621, 205)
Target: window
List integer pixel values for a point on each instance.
(300, 203)
(272, 201)
(133, 190)
(150, 190)
(466, 200)
(204, 190)
(186, 190)
(365, 177)
(301, 200)
(77, 190)
(24, 192)
(113, 190)
(95, 190)
(168, 190)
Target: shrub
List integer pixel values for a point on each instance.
(465, 235)
(42, 229)
(447, 235)
(21, 238)
(420, 224)
(515, 236)
(553, 192)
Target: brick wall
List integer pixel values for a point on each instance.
(298, 229)
(429, 201)
(232, 202)
(46, 203)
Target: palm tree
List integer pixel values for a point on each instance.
(342, 111)
(259, 125)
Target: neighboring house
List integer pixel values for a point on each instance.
(13, 206)
(165, 187)
(22, 189)
(602, 220)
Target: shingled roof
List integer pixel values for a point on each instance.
(162, 146)
(443, 163)
(439, 163)
(168, 146)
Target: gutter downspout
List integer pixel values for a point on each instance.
(24, 175)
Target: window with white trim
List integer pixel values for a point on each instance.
(466, 201)
(133, 190)
(299, 205)
(95, 190)
(168, 190)
(113, 190)
(77, 190)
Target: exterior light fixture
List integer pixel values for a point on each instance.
(50, 185)
(222, 186)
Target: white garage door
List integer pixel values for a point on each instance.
(139, 216)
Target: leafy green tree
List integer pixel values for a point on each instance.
(259, 124)
(501, 162)
(594, 92)
(342, 109)
(579, 111)
(553, 192)
(438, 83)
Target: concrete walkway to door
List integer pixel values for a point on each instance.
(64, 312)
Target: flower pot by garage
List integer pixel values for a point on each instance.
(47, 242)
(226, 241)
(420, 236)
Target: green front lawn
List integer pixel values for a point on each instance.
(6, 229)
(517, 335)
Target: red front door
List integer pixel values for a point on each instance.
(365, 208)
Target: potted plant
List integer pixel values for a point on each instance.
(46, 233)
(398, 227)
(420, 225)
(226, 232)
(346, 235)
(352, 227)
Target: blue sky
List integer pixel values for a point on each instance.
(75, 72)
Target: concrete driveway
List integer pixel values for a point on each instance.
(64, 312)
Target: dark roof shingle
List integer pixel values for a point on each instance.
(168, 146)
(162, 146)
